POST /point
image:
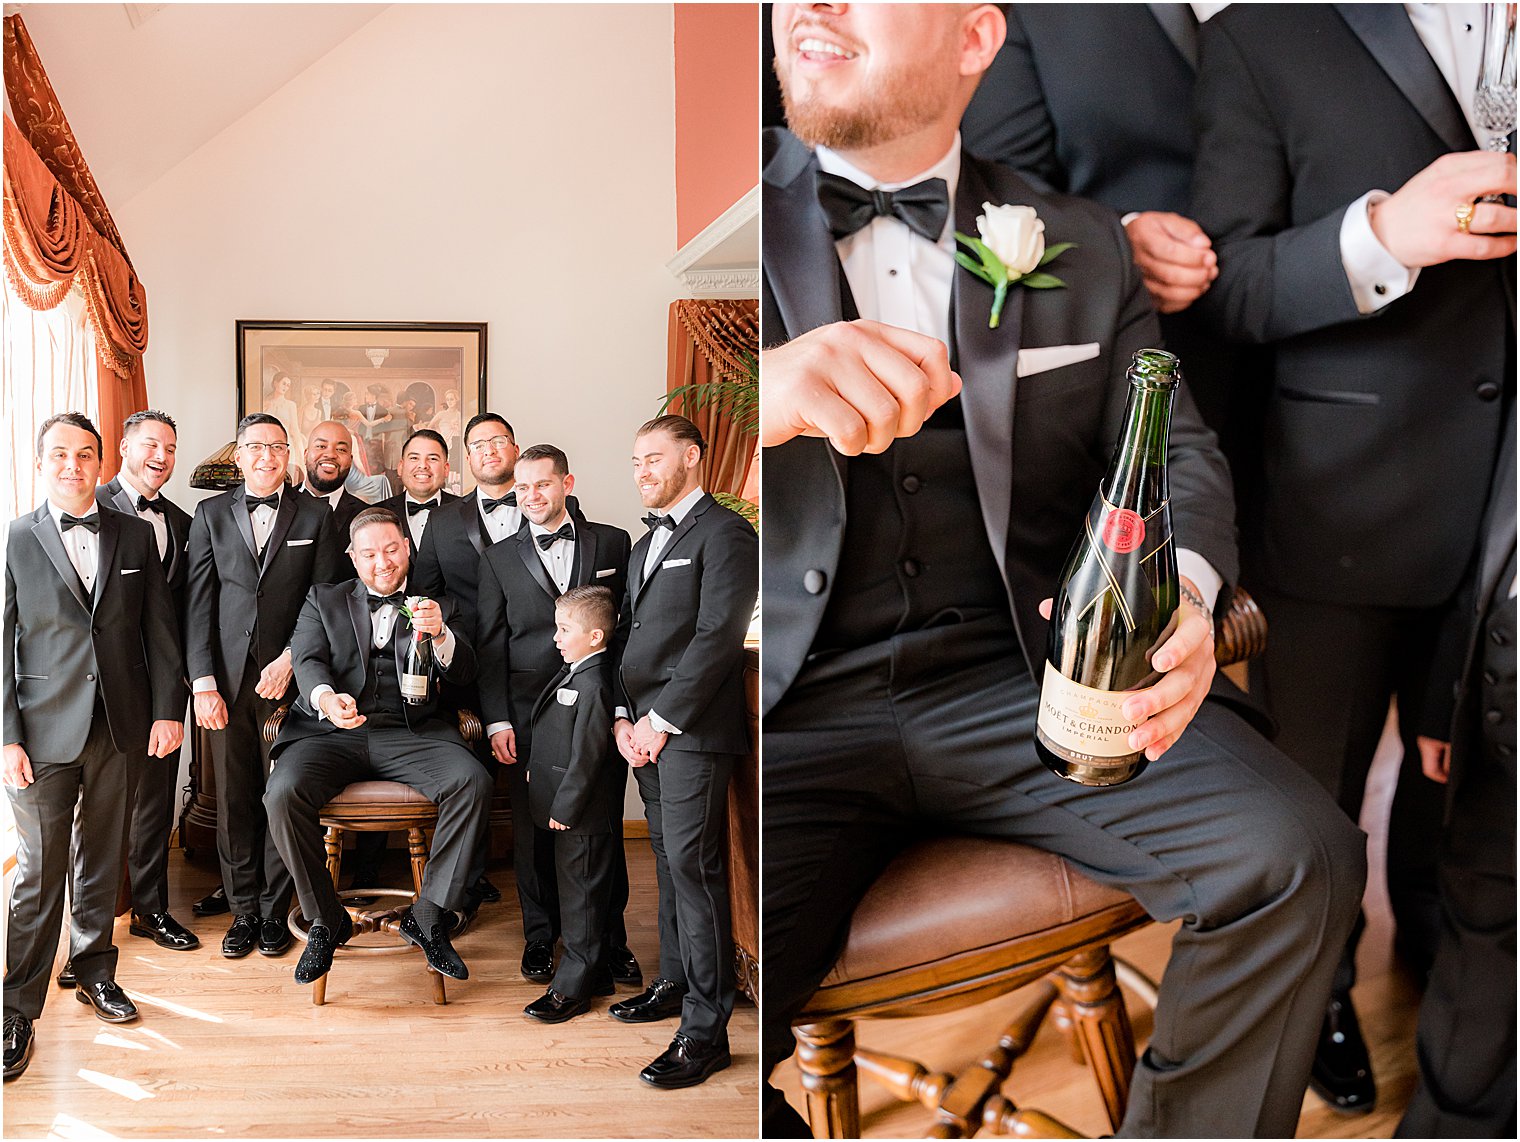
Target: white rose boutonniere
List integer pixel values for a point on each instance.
(1011, 248)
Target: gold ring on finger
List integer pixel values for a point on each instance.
(1464, 214)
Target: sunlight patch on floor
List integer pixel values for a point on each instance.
(124, 1087)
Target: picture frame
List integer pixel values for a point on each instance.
(384, 378)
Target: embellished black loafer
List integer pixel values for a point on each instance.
(18, 1045)
(241, 936)
(317, 957)
(164, 930)
(109, 1001)
(660, 1000)
(538, 961)
(1342, 1070)
(552, 1007)
(686, 1062)
(441, 956)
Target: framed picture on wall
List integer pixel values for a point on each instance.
(383, 379)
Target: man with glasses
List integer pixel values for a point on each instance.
(254, 553)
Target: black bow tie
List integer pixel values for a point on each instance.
(252, 502)
(548, 538)
(414, 508)
(922, 207)
(396, 599)
(144, 504)
(89, 522)
(653, 521)
(488, 505)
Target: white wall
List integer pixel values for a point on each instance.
(506, 163)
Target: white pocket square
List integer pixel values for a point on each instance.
(675, 563)
(298, 542)
(604, 574)
(566, 697)
(130, 570)
(1032, 361)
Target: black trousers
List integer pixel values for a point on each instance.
(149, 825)
(252, 873)
(1327, 677)
(583, 867)
(532, 862)
(313, 770)
(685, 797)
(99, 782)
(933, 731)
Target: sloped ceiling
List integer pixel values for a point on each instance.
(145, 85)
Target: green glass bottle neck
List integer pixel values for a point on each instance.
(1137, 474)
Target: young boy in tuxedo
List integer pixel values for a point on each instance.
(573, 787)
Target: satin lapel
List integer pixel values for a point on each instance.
(527, 551)
(47, 535)
(683, 529)
(358, 613)
(1181, 27)
(1387, 34)
(548, 694)
(988, 360)
(584, 564)
(636, 566)
(479, 538)
(121, 499)
(283, 518)
(110, 534)
(240, 517)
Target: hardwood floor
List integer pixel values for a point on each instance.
(1047, 1078)
(235, 1048)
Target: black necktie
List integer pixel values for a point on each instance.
(922, 207)
(393, 600)
(144, 504)
(414, 508)
(546, 540)
(653, 521)
(253, 502)
(89, 522)
(488, 505)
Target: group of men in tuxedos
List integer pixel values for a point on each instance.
(900, 431)
(271, 594)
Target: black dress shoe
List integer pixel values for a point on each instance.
(274, 936)
(164, 930)
(441, 956)
(241, 936)
(486, 892)
(660, 1000)
(212, 904)
(66, 977)
(552, 1007)
(625, 967)
(538, 961)
(108, 1000)
(686, 1062)
(1342, 1072)
(321, 941)
(18, 1045)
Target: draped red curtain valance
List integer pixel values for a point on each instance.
(58, 234)
(709, 339)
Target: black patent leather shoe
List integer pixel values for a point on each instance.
(212, 904)
(625, 967)
(164, 930)
(18, 1045)
(317, 957)
(66, 977)
(538, 961)
(552, 1007)
(486, 892)
(1342, 1071)
(108, 1000)
(660, 1000)
(274, 936)
(686, 1062)
(241, 936)
(441, 956)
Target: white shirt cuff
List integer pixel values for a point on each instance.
(495, 728)
(1128, 218)
(622, 712)
(204, 685)
(660, 725)
(317, 693)
(1376, 277)
(443, 647)
(1202, 573)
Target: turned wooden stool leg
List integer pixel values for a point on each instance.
(333, 842)
(826, 1058)
(1091, 994)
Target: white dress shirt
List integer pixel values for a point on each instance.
(262, 519)
(1453, 35)
(156, 519)
(559, 558)
(381, 621)
(502, 522)
(677, 511)
(82, 544)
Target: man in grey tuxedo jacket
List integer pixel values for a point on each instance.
(914, 522)
(93, 681)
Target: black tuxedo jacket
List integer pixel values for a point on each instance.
(1093, 100)
(241, 605)
(516, 617)
(681, 629)
(331, 646)
(575, 758)
(63, 646)
(349, 505)
(1380, 432)
(176, 561)
(1039, 445)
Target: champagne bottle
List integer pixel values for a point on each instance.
(1118, 595)
(417, 670)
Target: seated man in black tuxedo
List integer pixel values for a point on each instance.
(350, 723)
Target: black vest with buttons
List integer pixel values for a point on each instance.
(382, 704)
(1498, 657)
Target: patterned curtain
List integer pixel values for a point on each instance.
(709, 340)
(59, 235)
